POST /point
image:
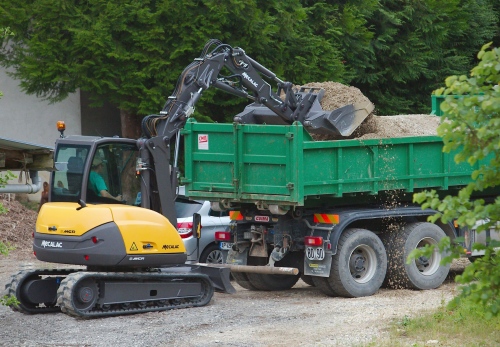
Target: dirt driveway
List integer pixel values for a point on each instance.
(302, 316)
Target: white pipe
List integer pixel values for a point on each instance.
(24, 188)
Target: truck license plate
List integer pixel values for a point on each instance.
(225, 246)
(315, 253)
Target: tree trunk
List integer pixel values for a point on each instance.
(131, 124)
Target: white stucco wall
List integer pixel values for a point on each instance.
(30, 119)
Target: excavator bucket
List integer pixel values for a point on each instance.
(350, 117)
(341, 122)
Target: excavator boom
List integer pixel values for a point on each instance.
(247, 81)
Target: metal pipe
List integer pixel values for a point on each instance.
(24, 188)
(268, 270)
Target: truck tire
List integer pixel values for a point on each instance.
(422, 273)
(358, 268)
(272, 282)
(242, 279)
(307, 279)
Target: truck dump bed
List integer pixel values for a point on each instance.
(281, 164)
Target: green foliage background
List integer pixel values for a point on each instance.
(131, 52)
(472, 113)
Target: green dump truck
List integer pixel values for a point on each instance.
(339, 212)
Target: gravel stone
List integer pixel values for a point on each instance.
(301, 316)
(374, 126)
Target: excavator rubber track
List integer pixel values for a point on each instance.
(36, 290)
(99, 294)
(84, 294)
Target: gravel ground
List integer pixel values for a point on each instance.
(302, 316)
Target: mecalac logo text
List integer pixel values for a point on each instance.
(249, 79)
(51, 244)
(261, 218)
(170, 246)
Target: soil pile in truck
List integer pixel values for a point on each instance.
(374, 127)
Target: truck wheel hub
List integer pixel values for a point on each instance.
(422, 262)
(358, 263)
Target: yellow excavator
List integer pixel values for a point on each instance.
(111, 206)
(133, 257)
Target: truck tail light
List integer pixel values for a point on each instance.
(222, 236)
(185, 229)
(314, 241)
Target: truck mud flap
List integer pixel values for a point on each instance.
(319, 268)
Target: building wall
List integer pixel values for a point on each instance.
(30, 119)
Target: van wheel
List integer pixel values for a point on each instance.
(358, 268)
(421, 273)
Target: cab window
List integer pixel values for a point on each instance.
(67, 178)
(113, 170)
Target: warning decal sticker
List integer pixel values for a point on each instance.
(203, 141)
(133, 247)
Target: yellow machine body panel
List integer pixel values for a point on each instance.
(63, 218)
(143, 231)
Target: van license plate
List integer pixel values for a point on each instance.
(225, 246)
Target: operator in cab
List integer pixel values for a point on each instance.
(96, 182)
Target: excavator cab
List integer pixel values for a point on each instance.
(77, 177)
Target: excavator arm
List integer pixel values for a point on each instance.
(246, 80)
(284, 106)
(204, 72)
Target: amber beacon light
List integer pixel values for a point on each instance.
(61, 126)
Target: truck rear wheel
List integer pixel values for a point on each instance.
(421, 273)
(242, 279)
(358, 268)
(272, 282)
(307, 280)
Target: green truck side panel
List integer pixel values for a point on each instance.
(282, 165)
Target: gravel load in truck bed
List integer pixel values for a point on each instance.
(374, 126)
